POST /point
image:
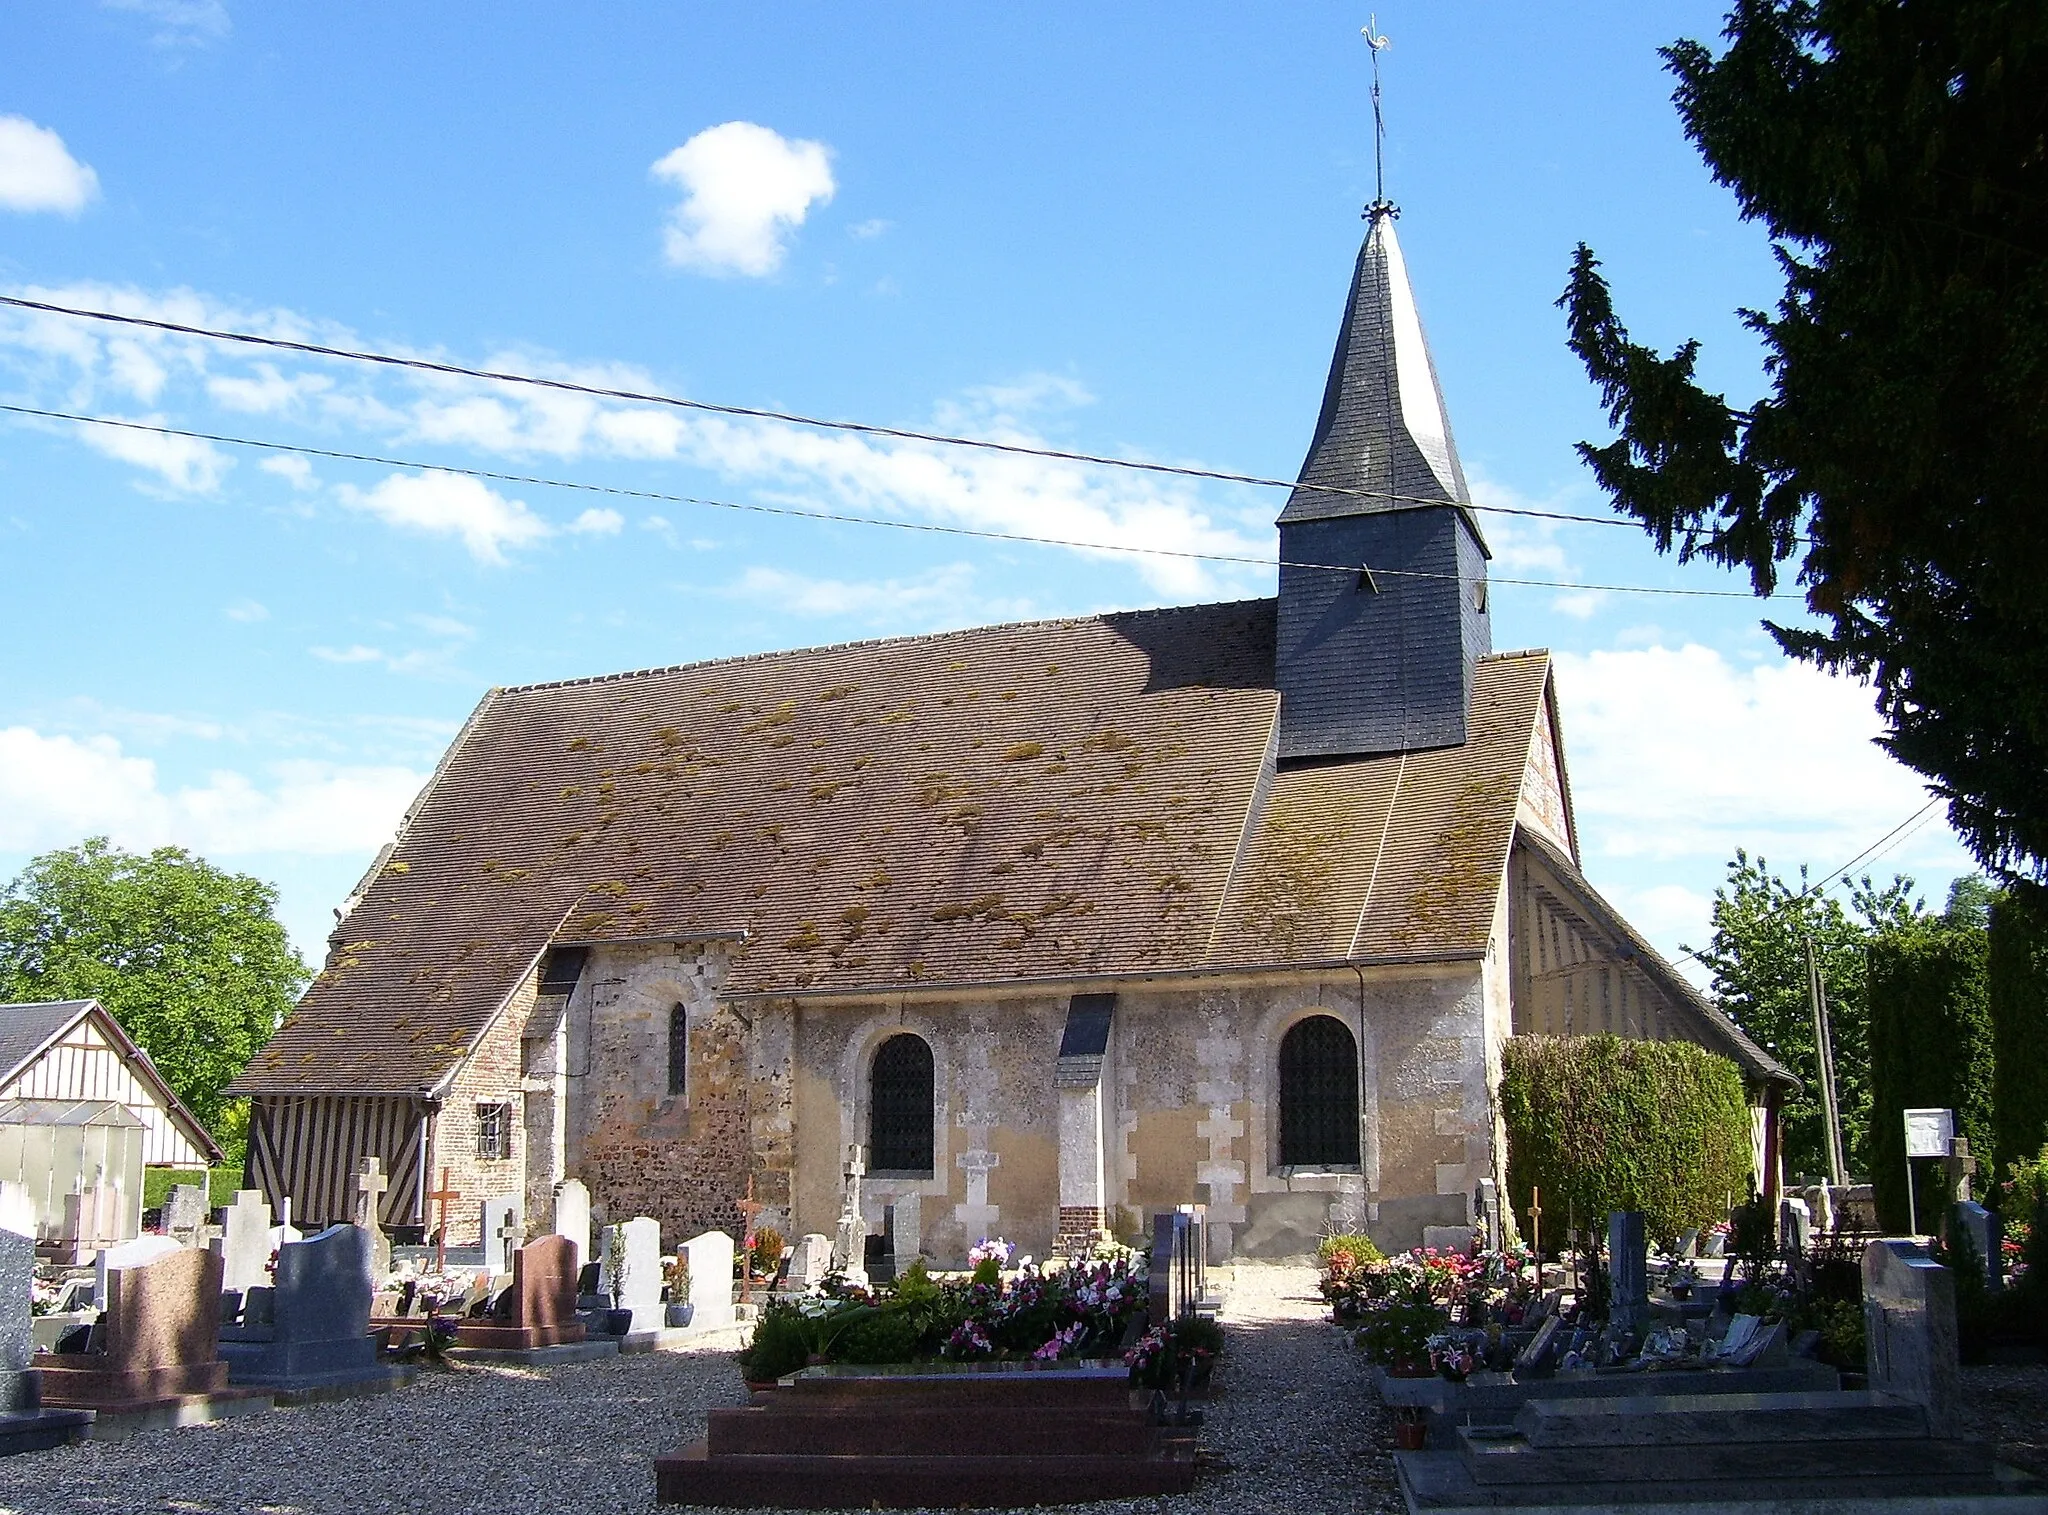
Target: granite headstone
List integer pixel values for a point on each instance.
(318, 1316)
(710, 1279)
(244, 1246)
(1909, 1329)
(1628, 1260)
(810, 1261)
(572, 1216)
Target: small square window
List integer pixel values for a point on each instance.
(493, 1133)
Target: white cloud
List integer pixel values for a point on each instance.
(357, 653)
(180, 23)
(942, 596)
(266, 390)
(55, 790)
(247, 611)
(184, 463)
(290, 467)
(37, 171)
(1677, 752)
(745, 189)
(451, 504)
(867, 231)
(598, 523)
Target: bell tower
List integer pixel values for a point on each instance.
(1382, 567)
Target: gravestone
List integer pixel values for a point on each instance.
(370, 1183)
(158, 1339)
(811, 1261)
(1458, 1239)
(850, 1246)
(1909, 1329)
(1535, 1359)
(710, 1280)
(1958, 1169)
(503, 1230)
(1486, 1209)
(17, 1210)
(1795, 1226)
(92, 1221)
(1987, 1234)
(906, 1236)
(1628, 1260)
(24, 1425)
(129, 1254)
(572, 1215)
(185, 1212)
(633, 1270)
(539, 1309)
(244, 1247)
(315, 1329)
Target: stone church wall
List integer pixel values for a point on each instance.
(490, 1077)
(1190, 1110)
(682, 1158)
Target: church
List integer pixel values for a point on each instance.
(1064, 922)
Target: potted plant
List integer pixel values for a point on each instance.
(679, 1311)
(618, 1322)
(1680, 1280)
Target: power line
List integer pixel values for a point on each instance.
(862, 428)
(842, 518)
(1875, 849)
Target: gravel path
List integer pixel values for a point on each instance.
(1295, 1420)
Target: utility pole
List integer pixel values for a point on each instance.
(1824, 1050)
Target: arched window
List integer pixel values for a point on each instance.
(1319, 1095)
(678, 1050)
(900, 1107)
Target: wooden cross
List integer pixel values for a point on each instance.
(748, 1208)
(443, 1197)
(371, 1183)
(1958, 1167)
(1536, 1227)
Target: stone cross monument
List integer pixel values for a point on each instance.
(850, 1250)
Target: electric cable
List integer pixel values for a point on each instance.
(844, 518)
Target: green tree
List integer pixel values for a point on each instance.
(2018, 987)
(1897, 155)
(1758, 959)
(191, 960)
(1930, 1047)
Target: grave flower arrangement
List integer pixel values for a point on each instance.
(43, 1295)
(1176, 1356)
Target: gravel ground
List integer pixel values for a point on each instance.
(1295, 1421)
(2009, 1407)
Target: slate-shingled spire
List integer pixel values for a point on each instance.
(1380, 661)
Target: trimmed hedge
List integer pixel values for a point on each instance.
(221, 1184)
(1930, 1047)
(1602, 1123)
(2017, 987)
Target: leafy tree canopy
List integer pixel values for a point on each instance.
(1758, 958)
(189, 959)
(1897, 154)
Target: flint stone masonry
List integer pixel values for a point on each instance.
(1909, 1324)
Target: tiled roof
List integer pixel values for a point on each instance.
(26, 1029)
(1046, 800)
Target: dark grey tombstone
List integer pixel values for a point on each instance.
(313, 1326)
(1909, 1329)
(1628, 1263)
(1535, 1359)
(1987, 1234)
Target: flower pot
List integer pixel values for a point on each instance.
(1410, 1435)
(618, 1322)
(679, 1315)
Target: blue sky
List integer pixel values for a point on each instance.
(1122, 230)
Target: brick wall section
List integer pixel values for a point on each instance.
(491, 1075)
(682, 1159)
